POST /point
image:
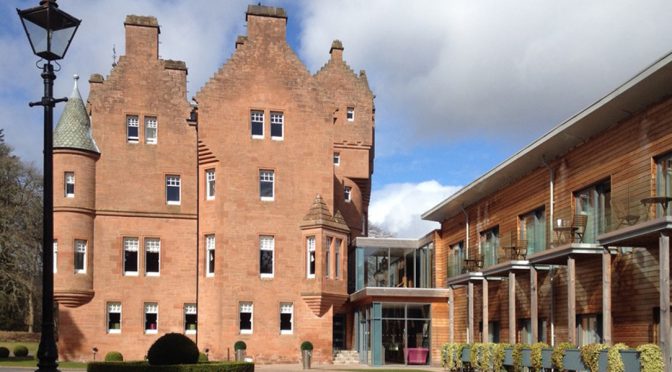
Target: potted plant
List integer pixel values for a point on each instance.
(559, 354)
(240, 348)
(590, 355)
(650, 358)
(306, 353)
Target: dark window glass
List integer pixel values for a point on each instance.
(150, 321)
(266, 189)
(211, 261)
(152, 262)
(312, 262)
(173, 193)
(190, 321)
(79, 261)
(130, 261)
(257, 128)
(418, 311)
(70, 188)
(276, 130)
(132, 133)
(114, 321)
(285, 322)
(393, 311)
(266, 262)
(245, 321)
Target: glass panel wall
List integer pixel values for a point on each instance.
(394, 267)
(663, 180)
(489, 246)
(456, 259)
(533, 229)
(595, 202)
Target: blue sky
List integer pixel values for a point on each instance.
(460, 85)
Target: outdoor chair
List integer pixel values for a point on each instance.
(579, 226)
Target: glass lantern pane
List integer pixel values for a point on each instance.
(37, 36)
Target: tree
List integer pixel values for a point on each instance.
(20, 241)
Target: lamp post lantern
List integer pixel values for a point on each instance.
(50, 31)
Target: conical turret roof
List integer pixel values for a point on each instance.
(319, 214)
(74, 127)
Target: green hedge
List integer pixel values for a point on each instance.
(143, 367)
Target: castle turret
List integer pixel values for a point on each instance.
(75, 156)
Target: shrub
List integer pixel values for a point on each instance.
(306, 345)
(650, 358)
(114, 356)
(4, 352)
(517, 355)
(172, 348)
(143, 366)
(590, 355)
(202, 357)
(498, 353)
(20, 351)
(614, 361)
(536, 356)
(240, 345)
(449, 356)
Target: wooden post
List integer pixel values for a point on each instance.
(470, 312)
(484, 334)
(512, 307)
(571, 300)
(451, 313)
(606, 296)
(664, 326)
(534, 310)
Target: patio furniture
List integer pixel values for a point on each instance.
(663, 201)
(579, 227)
(416, 355)
(473, 264)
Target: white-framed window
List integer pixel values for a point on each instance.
(131, 246)
(286, 318)
(266, 251)
(151, 318)
(277, 126)
(132, 124)
(152, 256)
(151, 130)
(210, 184)
(190, 319)
(210, 255)
(113, 317)
(327, 256)
(80, 256)
(337, 158)
(267, 185)
(257, 123)
(245, 317)
(173, 190)
(310, 257)
(69, 184)
(350, 114)
(337, 258)
(55, 256)
(347, 193)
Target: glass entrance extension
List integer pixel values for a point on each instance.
(394, 333)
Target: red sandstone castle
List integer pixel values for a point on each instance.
(226, 218)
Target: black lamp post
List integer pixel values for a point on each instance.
(50, 31)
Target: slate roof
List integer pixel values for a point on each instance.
(74, 127)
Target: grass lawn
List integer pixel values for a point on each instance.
(32, 350)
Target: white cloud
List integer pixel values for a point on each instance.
(446, 70)
(397, 207)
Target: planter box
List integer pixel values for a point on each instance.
(547, 358)
(572, 360)
(526, 356)
(508, 356)
(466, 355)
(630, 360)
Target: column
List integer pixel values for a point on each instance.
(470, 312)
(571, 300)
(484, 334)
(534, 305)
(606, 296)
(512, 308)
(451, 313)
(664, 260)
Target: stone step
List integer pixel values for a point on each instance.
(344, 357)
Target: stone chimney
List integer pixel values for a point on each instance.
(265, 22)
(142, 37)
(336, 50)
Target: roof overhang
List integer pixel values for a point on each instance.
(646, 88)
(406, 293)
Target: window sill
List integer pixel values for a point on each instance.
(70, 196)
(80, 272)
(152, 274)
(257, 137)
(310, 276)
(150, 143)
(245, 331)
(134, 142)
(286, 332)
(210, 275)
(210, 198)
(173, 203)
(130, 273)
(114, 331)
(267, 276)
(267, 199)
(151, 331)
(190, 332)
(277, 138)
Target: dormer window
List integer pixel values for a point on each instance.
(350, 114)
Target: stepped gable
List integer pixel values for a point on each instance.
(337, 65)
(74, 127)
(319, 215)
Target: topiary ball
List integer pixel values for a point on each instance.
(20, 351)
(307, 345)
(240, 345)
(203, 358)
(172, 348)
(114, 356)
(4, 352)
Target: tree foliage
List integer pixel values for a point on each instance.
(20, 240)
